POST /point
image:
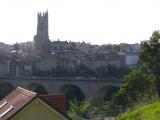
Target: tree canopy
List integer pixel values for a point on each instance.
(136, 87)
(150, 55)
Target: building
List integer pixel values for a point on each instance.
(46, 64)
(5, 47)
(124, 47)
(57, 46)
(26, 47)
(103, 59)
(6, 64)
(131, 58)
(22, 104)
(129, 48)
(42, 43)
(20, 66)
(135, 48)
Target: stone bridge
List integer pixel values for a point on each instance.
(86, 87)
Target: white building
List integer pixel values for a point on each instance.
(135, 48)
(131, 59)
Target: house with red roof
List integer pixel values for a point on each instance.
(22, 104)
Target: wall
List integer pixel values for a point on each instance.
(38, 110)
(89, 86)
(3, 69)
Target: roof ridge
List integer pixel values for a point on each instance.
(26, 91)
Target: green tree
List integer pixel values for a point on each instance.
(150, 55)
(136, 87)
(82, 110)
(108, 109)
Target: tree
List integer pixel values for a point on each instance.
(150, 55)
(108, 108)
(136, 87)
(82, 110)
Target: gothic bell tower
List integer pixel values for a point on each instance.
(42, 43)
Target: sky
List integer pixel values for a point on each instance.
(92, 21)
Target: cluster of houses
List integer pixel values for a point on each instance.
(24, 63)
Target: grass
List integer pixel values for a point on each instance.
(146, 112)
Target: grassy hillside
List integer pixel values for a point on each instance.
(147, 112)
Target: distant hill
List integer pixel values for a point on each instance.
(146, 112)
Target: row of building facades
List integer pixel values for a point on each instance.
(24, 62)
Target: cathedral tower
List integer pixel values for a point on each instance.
(41, 39)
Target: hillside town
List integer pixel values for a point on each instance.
(43, 57)
(21, 59)
(79, 74)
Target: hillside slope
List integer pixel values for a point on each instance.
(147, 112)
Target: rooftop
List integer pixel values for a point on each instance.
(20, 97)
(12, 103)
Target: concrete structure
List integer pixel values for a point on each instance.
(90, 87)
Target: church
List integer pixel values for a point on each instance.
(42, 43)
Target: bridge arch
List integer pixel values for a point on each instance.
(105, 93)
(72, 92)
(38, 88)
(5, 89)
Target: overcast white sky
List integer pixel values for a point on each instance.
(93, 21)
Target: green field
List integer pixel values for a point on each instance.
(146, 112)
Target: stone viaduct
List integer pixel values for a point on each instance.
(90, 87)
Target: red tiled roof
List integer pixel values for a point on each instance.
(20, 97)
(56, 100)
(16, 100)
